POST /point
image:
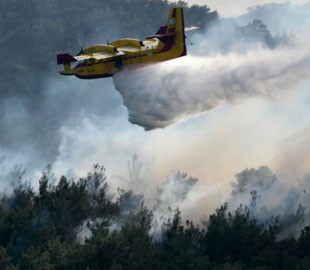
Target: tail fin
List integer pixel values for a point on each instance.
(174, 27)
(65, 59)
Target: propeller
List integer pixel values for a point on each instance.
(80, 52)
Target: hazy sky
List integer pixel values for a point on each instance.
(237, 7)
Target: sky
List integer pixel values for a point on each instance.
(229, 8)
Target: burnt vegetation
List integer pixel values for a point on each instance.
(69, 224)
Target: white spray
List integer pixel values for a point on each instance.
(159, 95)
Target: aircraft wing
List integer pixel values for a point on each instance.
(101, 56)
(67, 58)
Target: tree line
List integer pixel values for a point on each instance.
(68, 224)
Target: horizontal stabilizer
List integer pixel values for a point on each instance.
(191, 28)
(65, 59)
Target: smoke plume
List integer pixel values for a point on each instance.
(268, 198)
(172, 194)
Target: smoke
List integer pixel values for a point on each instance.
(257, 54)
(175, 191)
(261, 178)
(292, 159)
(163, 94)
(73, 124)
(83, 232)
(35, 101)
(280, 18)
(267, 199)
(172, 194)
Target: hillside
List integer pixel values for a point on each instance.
(78, 225)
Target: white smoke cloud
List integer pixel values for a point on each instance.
(172, 194)
(234, 8)
(291, 16)
(268, 198)
(162, 94)
(292, 159)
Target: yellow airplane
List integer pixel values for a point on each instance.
(101, 61)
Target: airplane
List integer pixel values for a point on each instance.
(102, 61)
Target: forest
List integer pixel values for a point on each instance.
(78, 224)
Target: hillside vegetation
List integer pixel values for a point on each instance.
(78, 225)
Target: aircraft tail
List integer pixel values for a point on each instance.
(174, 28)
(65, 60)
